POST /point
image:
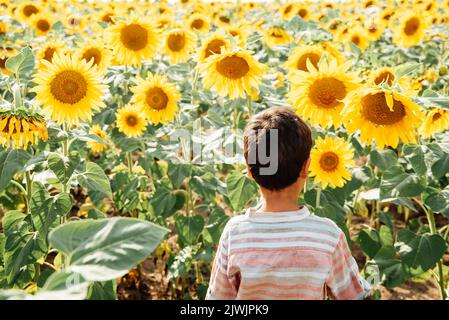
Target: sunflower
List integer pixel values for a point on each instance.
(95, 146)
(213, 45)
(133, 40)
(42, 23)
(358, 36)
(329, 162)
(297, 60)
(69, 90)
(238, 32)
(5, 54)
(383, 116)
(437, 120)
(157, 98)
(410, 29)
(374, 28)
(199, 22)
(287, 11)
(275, 36)
(130, 121)
(20, 127)
(383, 75)
(95, 50)
(3, 28)
(303, 12)
(179, 43)
(232, 73)
(75, 23)
(26, 10)
(317, 95)
(51, 47)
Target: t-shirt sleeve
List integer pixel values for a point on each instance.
(222, 286)
(344, 280)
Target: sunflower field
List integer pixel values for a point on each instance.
(121, 129)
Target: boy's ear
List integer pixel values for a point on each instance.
(305, 169)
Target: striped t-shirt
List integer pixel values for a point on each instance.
(284, 255)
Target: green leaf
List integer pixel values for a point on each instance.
(64, 285)
(392, 272)
(45, 209)
(183, 262)
(415, 155)
(163, 202)
(95, 179)
(369, 241)
(383, 159)
(11, 162)
(189, 228)
(102, 250)
(405, 70)
(396, 183)
(439, 201)
(56, 164)
(420, 250)
(241, 189)
(102, 291)
(21, 63)
(178, 172)
(441, 167)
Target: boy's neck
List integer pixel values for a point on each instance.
(280, 201)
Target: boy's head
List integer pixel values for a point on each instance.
(276, 135)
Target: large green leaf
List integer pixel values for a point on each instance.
(95, 179)
(392, 272)
(415, 155)
(56, 164)
(240, 189)
(21, 63)
(396, 183)
(441, 167)
(369, 241)
(189, 228)
(438, 201)
(178, 172)
(383, 159)
(102, 250)
(420, 250)
(11, 162)
(183, 261)
(163, 202)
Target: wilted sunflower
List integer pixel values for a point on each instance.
(199, 22)
(329, 162)
(96, 51)
(437, 120)
(157, 98)
(382, 116)
(133, 40)
(179, 43)
(26, 10)
(20, 127)
(317, 95)
(232, 73)
(410, 30)
(42, 23)
(69, 90)
(130, 121)
(94, 146)
(275, 36)
(213, 45)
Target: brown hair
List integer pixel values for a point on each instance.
(294, 144)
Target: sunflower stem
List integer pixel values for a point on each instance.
(130, 162)
(194, 84)
(249, 104)
(432, 226)
(318, 197)
(28, 189)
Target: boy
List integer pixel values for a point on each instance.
(281, 251)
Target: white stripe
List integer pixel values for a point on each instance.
(316, 275)
(307, 244)
(279, 235)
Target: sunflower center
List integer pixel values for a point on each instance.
(276, 34)
(176, 42)
(288, 9)
(355, 40)
(68, 87)
(214, 47)
(48, 54)
(92, 53)
(224, 19)
(372, 28)
(107, 18)
(385, 76)
(197, 24)
(134, 37)
(302, 61)
(436, 116)
(302, 13)
(329, 161)
(3, 62)
(156, 98)
(74, 22)
(233, 67)
(43, 25)
(327, 92)
(411, 26)
(131, 120)
(375, 109)
(29, 10)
